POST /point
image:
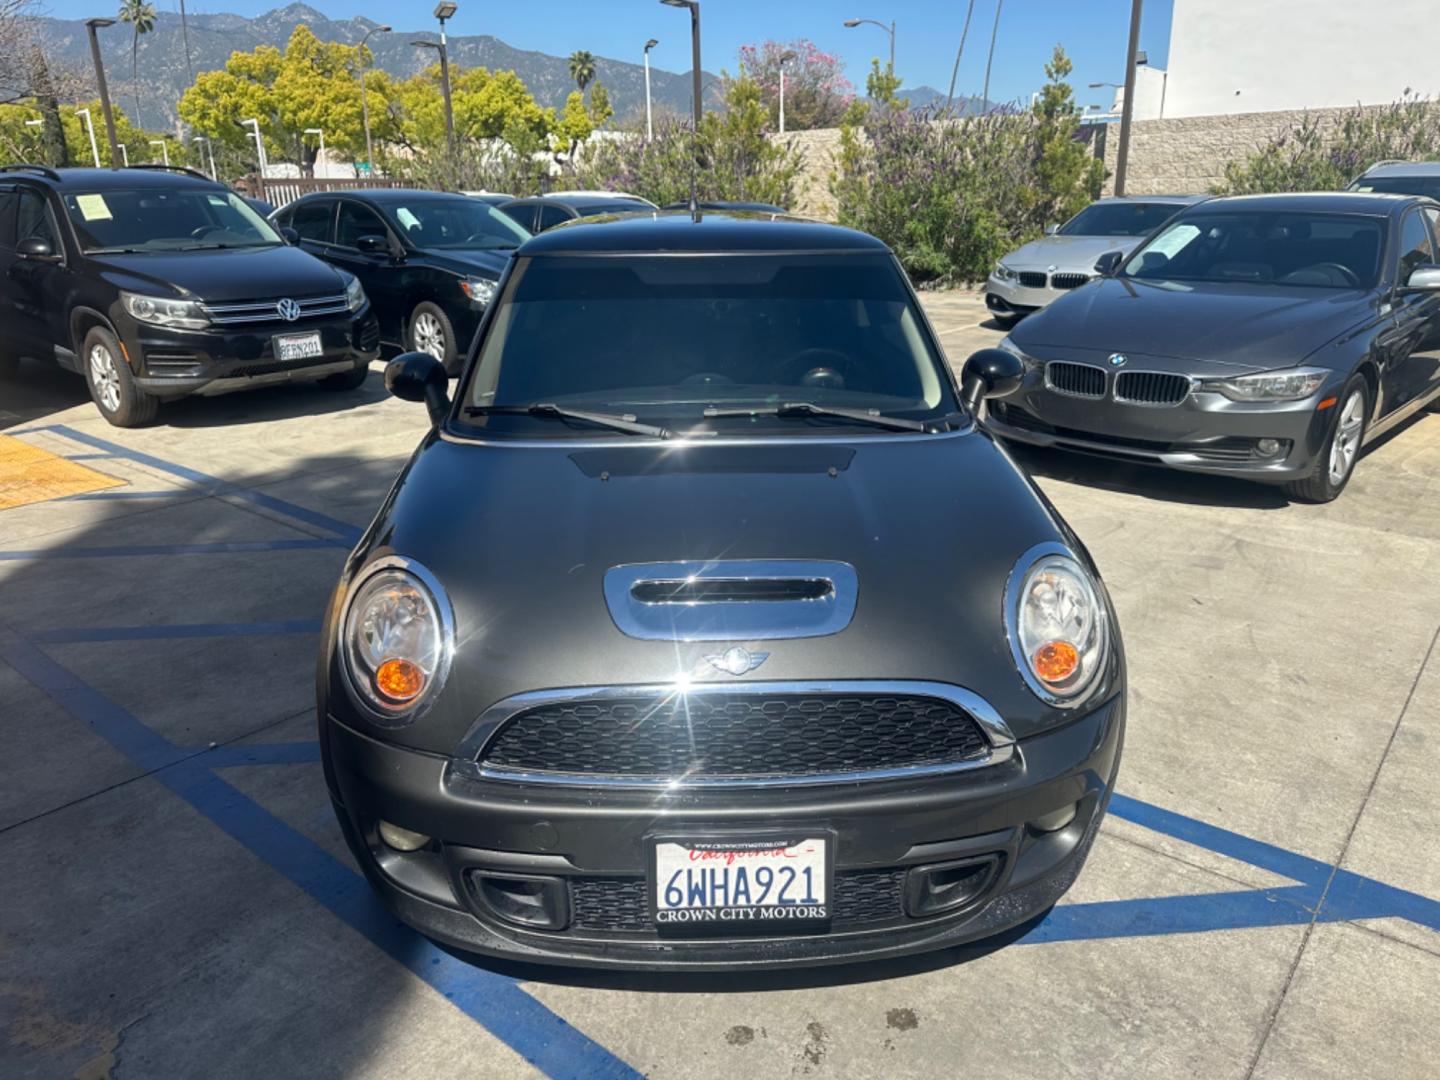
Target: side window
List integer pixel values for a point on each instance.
(552, 215)
(522, 214)
(1432, 213)
(32, 219)
(1415, 249)
(312, 219)
(9, 199)
(357, 221)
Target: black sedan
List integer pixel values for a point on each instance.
(707, 698)
(428, 260)
(1268, 337)
(543, 212)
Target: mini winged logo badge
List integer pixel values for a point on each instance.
(737, 660)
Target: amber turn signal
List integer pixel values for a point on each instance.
(400, 680)
(1056, 661)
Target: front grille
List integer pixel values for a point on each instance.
(1068, 281)
(1032, 279)
(620, 905)
(1151, 388)
(263, 311)
(1081, 380)
(736, 735)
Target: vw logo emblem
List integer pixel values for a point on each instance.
(288, 310)
(737, 660)
(1118, 359)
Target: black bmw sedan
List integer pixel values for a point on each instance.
(428, 260)
(727, 640)
(1268, 337)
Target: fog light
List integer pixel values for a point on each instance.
(1268, 447)
(1056, 819)
(402, 839)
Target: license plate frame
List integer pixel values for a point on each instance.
(307, 346)
(758, 919)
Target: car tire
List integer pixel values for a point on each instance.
(347, 380)
(112, 386)
(1335, 463)
(431, 332)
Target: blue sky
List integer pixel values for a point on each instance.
(927, 32)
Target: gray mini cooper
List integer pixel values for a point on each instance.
(705, 628)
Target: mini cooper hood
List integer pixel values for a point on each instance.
(522, 539)
(1067, 253)
(1258, 328)
(226, 276)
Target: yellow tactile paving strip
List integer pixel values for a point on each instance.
(31, 475)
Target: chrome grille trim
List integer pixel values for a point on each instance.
(1076, 380)
(1031, 279)
(1068, 280)
(467, 764)
(1153, 389)
(253, 311)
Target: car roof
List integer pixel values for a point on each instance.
(1404, 168)
(659, 231)
(110, 179)
(1176, 200)
(573, 199)
(1323, 202)
(390, 195)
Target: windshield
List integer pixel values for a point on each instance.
(461, 222)
(165, 219)
(1400, 185)
(663, 338)
(1119, 219)
(1334, 251)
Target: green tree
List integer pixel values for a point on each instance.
(600, 108)
(575, 124)
(582, 68)
(881, 85)
(140, 14)
(1068, 175)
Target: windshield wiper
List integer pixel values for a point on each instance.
(809, 408)
(113, 251)
(614, 421)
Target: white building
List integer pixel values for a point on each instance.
(1245, 56)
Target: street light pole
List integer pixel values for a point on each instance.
(209, 150)
(785, 57)
(125, 155)
(446, 10)
(91, 27)
(90, 126)
(319, 156)
(1127, 110)
(852, 23)
(694, 7)
(164, 152)
(364, 106)
(649, 126)
(254, 126)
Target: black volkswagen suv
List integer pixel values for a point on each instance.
(158, 283)
(428, 260)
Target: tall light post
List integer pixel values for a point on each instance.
(90, 126)
(439, 46)
(364, 106)
(125, 155)
(694, 7)
(1127, 108)
(649, 125)
(92, 27)
(852, 23)
(164, 151)
(209, 151)
(785, 58)
(321, 154)
(254, 126)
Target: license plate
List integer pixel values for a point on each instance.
(754, 884)
(298, 346)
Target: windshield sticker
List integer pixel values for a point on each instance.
(216, 200)
(409, 220)
(1173, 241)
(93, 207)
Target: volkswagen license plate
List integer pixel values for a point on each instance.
(298, 346)
(754, 883)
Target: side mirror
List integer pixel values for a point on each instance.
(1051, 230)
(990, 373)
(1108, 263)
(1424, 278)
(291, 236)
(32, 247)
(373, 245)
(418, 376)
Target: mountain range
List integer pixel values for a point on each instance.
(163, 74)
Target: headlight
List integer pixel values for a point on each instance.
(478, 289)
(355, 295)
(1004, 273)
(1058, 627)
(160, 311)
(397, 638)
(1290, 385)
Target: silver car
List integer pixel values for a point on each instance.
(1064, 258)
(1401, 178)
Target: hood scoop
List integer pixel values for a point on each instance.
(731, 599)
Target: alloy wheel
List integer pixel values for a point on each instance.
(1346, 444)
(104, 377)
(429, 337)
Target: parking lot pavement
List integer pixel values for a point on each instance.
(1264, 899)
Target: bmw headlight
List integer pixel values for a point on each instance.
(354, 294)
(397, 637)
(1004, 273)
(162, 311)
(1058, 627)
(478, 289)
(1291, 384)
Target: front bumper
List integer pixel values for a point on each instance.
(1010, 298)
(594, 841)
(173, 363)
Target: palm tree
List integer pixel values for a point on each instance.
(140, 14)
(582, 68)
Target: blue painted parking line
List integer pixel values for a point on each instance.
(78, 457)
(104, 496)
(67, 635)
(227, 547)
